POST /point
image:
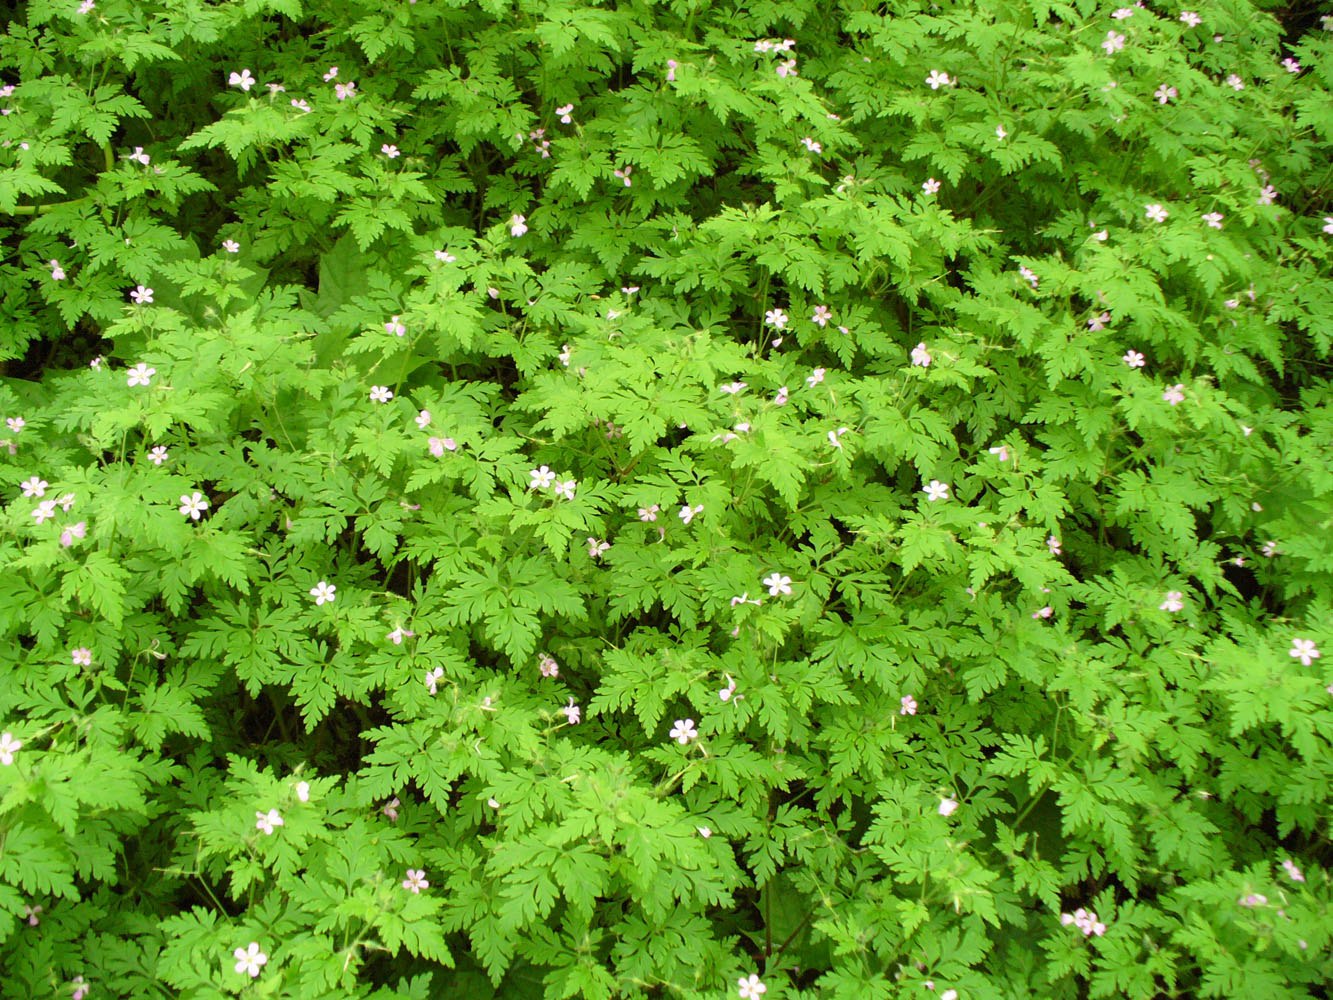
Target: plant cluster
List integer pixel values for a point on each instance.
(665, 498)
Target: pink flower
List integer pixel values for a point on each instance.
(303, 791)
(31, 913)
(44, 511)
(821, 316)
(1293, 871)
(1304, 650)
(1269, 549)
(422, 419)
(390, 809)
(1000, 452)
(597, 549)
(1122, 13)
(725, 694)
(811, 145)
(683, 731)
(266, 823)
(672, 66)
(433, 678)
(777, 584)
(193, 505)
(624, 175)
(787, 67)
(517, 225)
(142, 295)
(72, 532)
(140, 374)
(380, 394)
(302, 106)
(1253, 899)
(1235, 82)
(8, 747)
(751, 988)
(1174, 394)
(1165, 94)
(936, 490)
(344, 90)
(81, 989)
(572, 712)
(566, 489)
(438, 446)
(1291, 65)
(931, 186)
(390, 151)
(1214, 220)
(34, 487)
(547, 665)
(1156, 213)
(649, 513)
(332, 74)
(565, 111)
(415, 881)
(82, 657)
(139, 156)
(1113, 43)
(1000, 133)
(243, 79)
(921, 356)
(1173, 601)
(907, 705)
(1084, 920)
(250, 961)
(948, 806)
(687, 512)
(776, 318)
(541, 478)
(1028, 275)
(937, 79)
(399, 634)
(158, 455)
(1328, 224)
(1190, 19)
(57, 272)
(395, 327)
(1053, 545)
(1268, 195)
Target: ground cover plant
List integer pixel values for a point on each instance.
(546, 498)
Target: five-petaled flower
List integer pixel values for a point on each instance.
(811, 145)
(1155, 212)
(73, 531)
(1165, 94)
(821, 315)
(415, 881)
(231, 246)
(1328, 224)
(140, 374)
(142, 295)
(250, 960)
(433, 678)
(1173, 601)
(815, 377)
(1304, 650)
(1175, 394)
(15, 424)
(683, 731)
(243, 79)
(1113, 43)
(390, 150)
(751, 988)
(566, 489)
(565, 111)
(1235, 82)
(948, 806)
(81, 988)
(390, 809)
(518, 225)
(936, 79)
(541, 478)
(572, 712)
(907, 705)
(380, 394)
(1291, 65)
(1190, 19)
(936, 490)
(323, 592)
(787, 67)
(777, 584)
(192, 505)
(34, 487)
(921, 356)
(596, 548)
(1293, 870)
(438, 446)
(399, 634)
(687, 512)
(303, 791)
(1214, 220)
(57, 272)
(931, 186)
(82, 657)
(1084, 920)
(1267, 195)
(547, 665)
(267, 822)
(44, 511)
(158, 455)
(776, 318)
(32, 914)
(344, 90)
(649, 513)
(8, 747)
(1099, 322)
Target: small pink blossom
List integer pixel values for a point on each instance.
(1253, 899)
(433, 678)
(1328, 224)
(324, 593)
(931, 186)
(948, 806)
(390, 809)
(565, 111)
(751, 987)
(140, 374)
(1235, 82)
(1000, 452)
(1028, 275)
(34, 487)
(266, 823)
(250, 960)
(243, 79)
(1165, 94)
(687, 512)
(566, 489)
(1174, 394)
(44, 511)
(518, 225)
(542, 478)
(142, 295)
(1084, 920)
(672, 66)
(158, 455)
(776, 318)
(1269, 549)
(1304, 650)
(779, 398)
(920, 356)
(193, 505)
(1190, 19)
(399, 634)
(302, 106)
(787, 68)
(547, 666)
(596, 548)
(649, 513)
(79, 530)
(573, 713)
(1267, 195)
(936, 490)
(814, 378)
(415, 881)
(811, 145)
(1291, 65)
(1045, 612)
(344, 90)
(683, 731)
(725, 694)
(821, 316)
(438, 446)
(57, 272)
(8, 747)
(390, 150)
(1113, 43)
(1173, 602)
(1155, 212)
(1214, 220)
(82, 656)
(938, 79)
(1293, 871)
(623, 175)
(907, 705)
(395, 326)
(31, 914)
(81, 988)
(1053, 545)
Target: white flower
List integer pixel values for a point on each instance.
(920, 356)
(142, 295)
(415, 881)
(249, 961)
(948, 806)
(649, 513)
(158, 455)
(931, 186)
(192, 505)
(57, 272)
(8, 747)
(342, 91)
(814, 378)
(268, 822)
(687, 512)
(34, 487)
(323, 592)
(518, 225)
(565, 111)
(1173, 601)
(1156, 212)
(751, 988)
(1134, 359)
(380, 394)
(243, 79)
(140, 374)
(433, 678)
(683, 731)
(1190, 18)
(936, 490)
(777, 584)
(936, 79)
(303, 791)
(422, 419)
(566, 489)
(541, 478)
(395, 327)
(231, 246)
(1214, 220)
(776, 318)
(1304, 650)
(390, 150)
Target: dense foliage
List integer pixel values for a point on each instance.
(551, 498)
